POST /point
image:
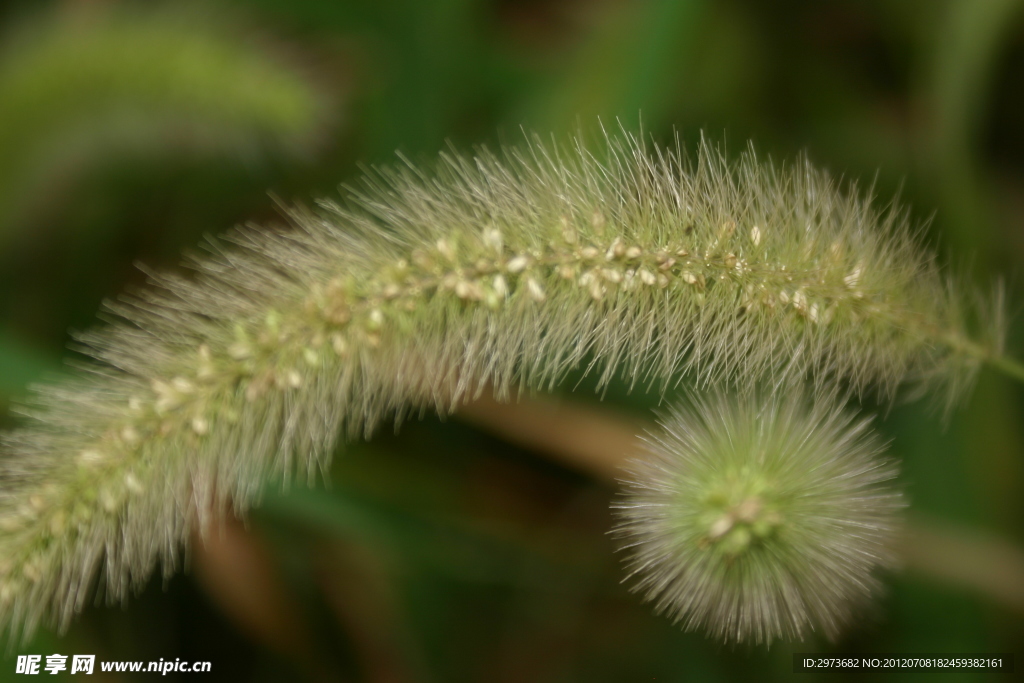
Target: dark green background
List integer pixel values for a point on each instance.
(440, 553)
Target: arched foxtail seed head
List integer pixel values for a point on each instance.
(499, 270)
(760, 518)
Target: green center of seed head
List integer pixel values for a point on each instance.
(738, 513)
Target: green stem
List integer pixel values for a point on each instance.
(1008, 366)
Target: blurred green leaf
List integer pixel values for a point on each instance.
(21, 364)
(631, 67)
(80, 87)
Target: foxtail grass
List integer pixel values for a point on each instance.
(423, 288)
(758, 518)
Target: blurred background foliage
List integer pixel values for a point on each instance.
(128, 130)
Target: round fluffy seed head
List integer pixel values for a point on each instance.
(755, 519)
